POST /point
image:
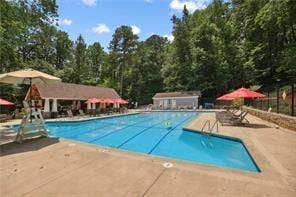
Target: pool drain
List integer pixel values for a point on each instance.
(168, 165)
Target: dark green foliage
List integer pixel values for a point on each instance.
(122, 47)
(225, 46)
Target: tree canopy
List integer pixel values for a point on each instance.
(228, 44)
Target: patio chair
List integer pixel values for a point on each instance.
(81, 113)
(232, 119)
(4, 117)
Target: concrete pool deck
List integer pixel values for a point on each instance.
(58, 167)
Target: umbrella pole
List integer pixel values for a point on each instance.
(31, 100)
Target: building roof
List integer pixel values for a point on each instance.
(70, 91)
(177, 94)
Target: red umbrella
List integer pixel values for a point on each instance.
(108, 100)
(93, 100)
(4, 102)
(124, 102)
(225, 98)
(244, 93)
(120, 101)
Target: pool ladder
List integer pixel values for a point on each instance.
(210, 129)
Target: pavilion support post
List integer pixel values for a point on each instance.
(46, 105)
(94, 109)
(54, 108)
(89, 108)
(78, 105)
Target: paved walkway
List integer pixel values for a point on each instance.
(56, 167)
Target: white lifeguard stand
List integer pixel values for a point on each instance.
(31, 127)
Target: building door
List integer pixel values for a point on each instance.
(165, 104)
(174, 104)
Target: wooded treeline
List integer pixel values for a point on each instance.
(225, 46)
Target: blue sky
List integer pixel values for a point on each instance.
(97, 20)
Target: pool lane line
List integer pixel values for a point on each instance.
(148, 129)
(104, 125)
(111, 132)
(135, 136)
(131, 124)
(115, 131)
(85, 131)
(81, 132)
(168, 134)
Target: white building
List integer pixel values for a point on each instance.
(176, 100)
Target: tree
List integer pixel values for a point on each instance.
(178, 71)
(96, 58)
(80, 69)
(122, 48)
(63, 48)
(147, 79)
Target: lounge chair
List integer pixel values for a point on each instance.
(4, 117)
(70, 114)
(81, 113)
(232, 119)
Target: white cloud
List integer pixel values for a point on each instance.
(101, 28)
(135, 29)
(191, 5)
(90, 2)
(65, 22)
(169, 37)
(149, 1)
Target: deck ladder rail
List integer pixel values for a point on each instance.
(210, 128)
(217, 127)
(204, 125)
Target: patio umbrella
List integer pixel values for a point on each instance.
(120, 101)
(241, 93)
(28, 76)
(5, 102)
(94, 100)
(108, 100)
(244, 93)
(225, 98)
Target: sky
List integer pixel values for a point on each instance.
(96, 20)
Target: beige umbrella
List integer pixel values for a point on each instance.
(28, 76)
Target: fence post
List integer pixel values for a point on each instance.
(292, 111)
(277, 96)
(268, 100)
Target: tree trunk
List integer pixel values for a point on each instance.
(122, 79)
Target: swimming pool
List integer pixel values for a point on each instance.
(161, 134)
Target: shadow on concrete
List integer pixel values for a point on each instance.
(33, 144)
(248, 125)
(256, 126)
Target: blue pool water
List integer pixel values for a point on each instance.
(158, 133)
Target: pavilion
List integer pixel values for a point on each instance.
(48, 96)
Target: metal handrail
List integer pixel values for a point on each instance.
(206, 123)
(217, 127)
(210, 129)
